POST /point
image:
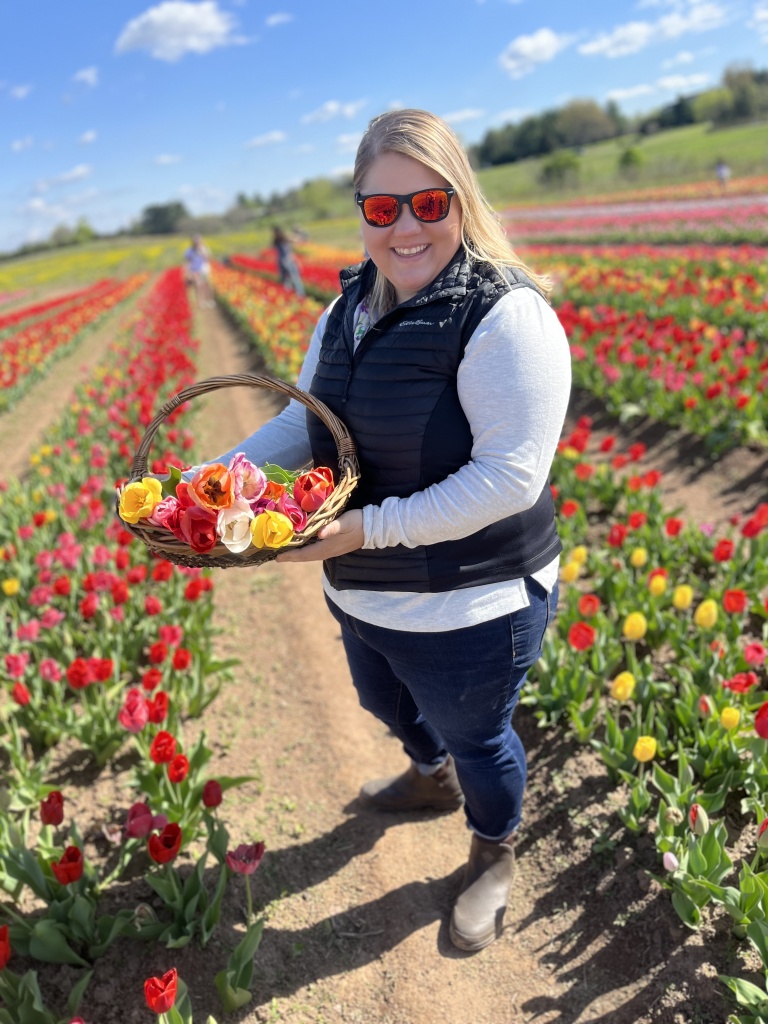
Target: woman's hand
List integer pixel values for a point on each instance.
(337, 538)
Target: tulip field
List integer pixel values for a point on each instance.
(657, 663)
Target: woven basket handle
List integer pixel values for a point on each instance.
(344, 443)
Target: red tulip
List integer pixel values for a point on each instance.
(5, 946)
(761, 721)
(722, 550)
(181, 659)
(157, 707)
(178, 768)
(589, 605)
(581, 636)
(69, 868)
(139, 821)
(52, 809)
(160, 993)
(158, 652)
(245, 859)
(163, 848)
(20, 694)
(134, 714)
(735, 601)
(163, 748)
(311, 489)
(212, 793)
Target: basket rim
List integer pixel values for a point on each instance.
(164, 543)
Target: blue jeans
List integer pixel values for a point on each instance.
(455, 692)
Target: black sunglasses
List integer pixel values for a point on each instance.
(383, 209)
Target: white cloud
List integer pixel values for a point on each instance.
(281, 18)
(76, 174)
(670, 83)
(700, 18)
(466, 114)
(636, 35)
(19, 145)
(20, 92)
(267, 139)
(624, 39)
(684, 83)
(630, 93)
(176, 27)
(348, 143)
(525, 52)
(759, 20)
(684, 57)
(333, 108)
(89, 76)
(165, 159)
(342, 172)
(87, 137)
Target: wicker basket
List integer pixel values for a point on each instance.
(162, 542)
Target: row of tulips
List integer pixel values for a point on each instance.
(277, 321)
(36, 309)
(737, 222)
(28, 354)
(111, 650)
(755, 185)
(658, 660)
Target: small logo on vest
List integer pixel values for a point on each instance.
(415, 323)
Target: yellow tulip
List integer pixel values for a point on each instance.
(657, 585)
(644, 749)
(570, 572)
(730, 717)
(45, 449)
(138, 499)
(682, 597)
(623, 686)
(638, 558)
(635, 626)
(579, 554)
(705, 615)
(569, 452)
(271, 529)
(50, 515)
(10, 586)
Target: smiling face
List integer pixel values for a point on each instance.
(411, 252)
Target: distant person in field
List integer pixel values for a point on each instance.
(451, 370)
(197, 263)
(287, 267)
(723, 173)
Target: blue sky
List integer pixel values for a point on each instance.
(107, 107)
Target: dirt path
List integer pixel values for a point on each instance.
(358, 903)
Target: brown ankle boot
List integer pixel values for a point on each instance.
(478, 914)
(413, 791)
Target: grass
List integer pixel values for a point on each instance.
(679, 156)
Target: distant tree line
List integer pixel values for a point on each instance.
(741, 96)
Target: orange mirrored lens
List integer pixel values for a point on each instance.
(380, 210)
(431, 204)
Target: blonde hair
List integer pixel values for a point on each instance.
(428, 139)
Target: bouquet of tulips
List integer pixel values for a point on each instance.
(238, 506)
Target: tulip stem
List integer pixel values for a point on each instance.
(249, 900)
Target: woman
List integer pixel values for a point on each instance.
(287, 266)
(197, 260)
(452, 373)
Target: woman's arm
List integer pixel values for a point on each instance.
(514, 385)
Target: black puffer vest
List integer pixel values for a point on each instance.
(397, 396)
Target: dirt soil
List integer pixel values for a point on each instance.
(357, 903)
